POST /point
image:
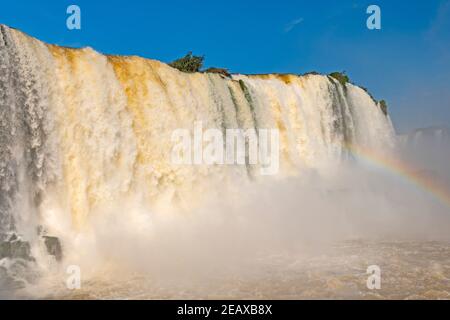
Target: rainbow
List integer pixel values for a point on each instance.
(422, 179)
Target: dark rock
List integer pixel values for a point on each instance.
(15, 248)
(53, 246)
(221, 71)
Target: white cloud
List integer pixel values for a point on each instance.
(291, 25)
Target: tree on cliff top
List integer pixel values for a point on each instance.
(341, 77)
(189, 63)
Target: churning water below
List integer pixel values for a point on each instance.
(409, 270)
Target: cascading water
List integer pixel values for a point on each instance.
(83, 133)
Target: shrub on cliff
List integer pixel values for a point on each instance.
(189, 63)
(368, 92)
(383, 107)
(314, 73)
(382, 104)
(341, 77)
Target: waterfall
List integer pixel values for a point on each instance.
(82, 132)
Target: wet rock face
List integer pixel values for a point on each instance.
(53, 246)
(15, 248)
(17, 265)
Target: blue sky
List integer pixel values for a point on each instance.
(407, 62)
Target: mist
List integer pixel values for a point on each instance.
(229, 236)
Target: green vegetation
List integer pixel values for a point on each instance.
(344, 79)
(189, 63)
(382, 104)
(249, 99)
(247, 95)
(315, 73)
(221, 71)
(383, 107)
(341, 77)
(370, 95)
